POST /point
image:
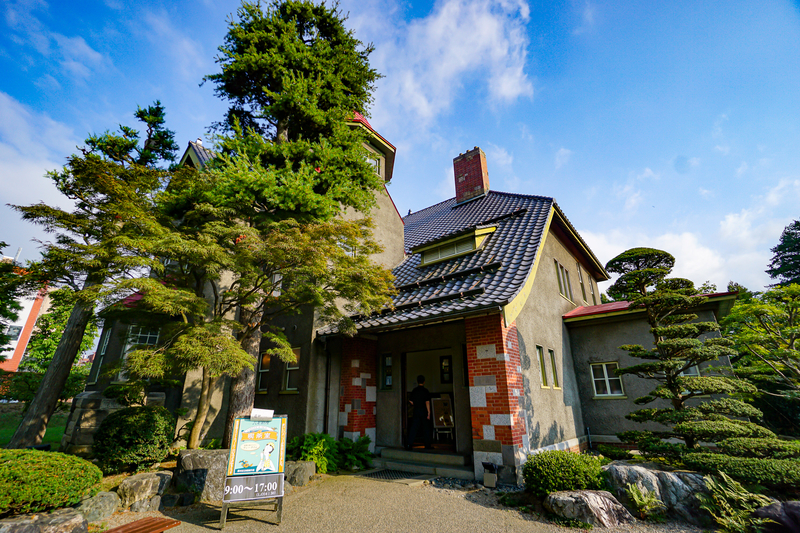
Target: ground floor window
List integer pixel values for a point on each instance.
(291, 380)
(542, 366)
(262, 379)
(137, 336)
(606, 382)
(555, 369)
(386, 371)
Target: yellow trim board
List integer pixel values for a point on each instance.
(512, 310)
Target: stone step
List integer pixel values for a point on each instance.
(412, 456)
(453, 471)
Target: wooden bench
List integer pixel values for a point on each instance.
(147, 525)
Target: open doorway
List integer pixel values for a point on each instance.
(438, 368)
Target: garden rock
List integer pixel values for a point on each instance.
(596, 507)
(675, 489)
(299, 473)
(99, 507)
(169, 500)
(203, 472)
(60, 521)
(142, 506)
(786, 516)
(143, 487)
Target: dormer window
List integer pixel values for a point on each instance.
(453, 247)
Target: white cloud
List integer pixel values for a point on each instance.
(744, 167)
(446, 188)
(588, 13)
(562, 157)
(724, 150)
(187, 56)
(648, 173)
(705, 193)
(429, 61)
(785, 190)
(497, 155)
(630, 195)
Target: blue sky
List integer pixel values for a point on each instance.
(666, 124)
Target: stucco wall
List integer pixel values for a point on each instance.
(553, 415)
(388, 230)
(435, 340)
(598, 341)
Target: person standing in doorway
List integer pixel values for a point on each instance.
(420, 399)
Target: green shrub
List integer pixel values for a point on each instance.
(731, 505)
(557, 470)
(612, 452)
(718, 430)
(761, 448)
(647, 505)
(772, 473)
(354, 455)
(302, 448)
(34, 481)
(133, 439)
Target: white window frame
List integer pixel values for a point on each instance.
(542, 366)
(101, 352)
(554, 366)
(130, 343)
(606, 366)
(263, 372)
(289, 369)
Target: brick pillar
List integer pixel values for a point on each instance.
(358, 395)
(499, 430)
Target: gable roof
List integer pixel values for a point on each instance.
(196, 155)
(484, 280)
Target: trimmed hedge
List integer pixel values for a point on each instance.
(33, 481)
(612, 452)
(557, 470)
(133, 438)
(761, 448)
(772, 473)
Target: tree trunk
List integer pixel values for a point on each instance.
(243, 386)
(31, 430)
(203, 403)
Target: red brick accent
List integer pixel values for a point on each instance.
(471, 174)
(365, 351)
(508, 378)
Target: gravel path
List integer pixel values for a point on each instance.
(355, 504)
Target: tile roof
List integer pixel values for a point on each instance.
(623, 305)
(204, 155)
(486, 279)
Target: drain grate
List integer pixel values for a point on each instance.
(391, 475)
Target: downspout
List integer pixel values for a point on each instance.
(327, 385)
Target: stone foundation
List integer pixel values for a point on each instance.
(89, 409)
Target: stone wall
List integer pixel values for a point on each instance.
(89, 409)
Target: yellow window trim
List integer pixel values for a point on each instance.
(478, 238)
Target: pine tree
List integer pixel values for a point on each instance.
(681, 344)
(11, 288)
(293, 74)
(785, 264)
(104, 238)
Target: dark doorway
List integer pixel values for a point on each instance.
(437, 367)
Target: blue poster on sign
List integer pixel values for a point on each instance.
(257, 446)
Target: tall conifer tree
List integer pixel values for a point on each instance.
(784, 267)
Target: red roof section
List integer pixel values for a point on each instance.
(361, 119)
(621, 306)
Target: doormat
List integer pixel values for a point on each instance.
(396, 475)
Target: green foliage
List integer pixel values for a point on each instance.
(22, 386)
(761, 448)
(354, 455)
(11, 289)
(731, 505)
(646, 503)
(571, 523)
(612, 452)
(305, 448)
(681, 345)
(328, 454)
(557, 470)
(784, 267)
(128, 393)
(133, 438)
(773, 473)
(34, 481)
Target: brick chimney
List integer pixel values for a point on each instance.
(472, 176)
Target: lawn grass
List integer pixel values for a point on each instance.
(11, 415)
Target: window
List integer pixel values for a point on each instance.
(137, 336)
(448, 250)
(564, 285)
(292, 373)
(555, 368)
(386, 371)
(276, 280)
(580, 279)
(101, 351)
(542, 366)
(606, 382)
(13, 332)
(692, 371)
(262, 379)
(591, 289)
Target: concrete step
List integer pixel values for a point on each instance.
(427, 456)
(454, 471)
